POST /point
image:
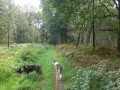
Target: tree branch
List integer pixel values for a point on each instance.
(115, 4)
(105, 7)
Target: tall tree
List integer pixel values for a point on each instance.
(93, 27)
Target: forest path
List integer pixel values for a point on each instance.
(42, 57)
(32, 82)
(58, 83)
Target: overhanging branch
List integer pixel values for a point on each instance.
(105, 7)
(115, 4)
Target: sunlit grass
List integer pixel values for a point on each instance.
(43, 58)
(40, 55)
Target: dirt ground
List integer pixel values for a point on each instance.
(60, 85)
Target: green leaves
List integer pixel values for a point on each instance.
(92, 80)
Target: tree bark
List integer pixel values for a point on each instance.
(46, 37)
(41, 38)
(78, 39)
(93, 27)
(118, 41)
(8, 29)
(62, 39)
(82, 38)
(88, 36)
(65, 35)
(79, 34)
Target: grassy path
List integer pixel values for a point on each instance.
(32, 55)
(46, 82)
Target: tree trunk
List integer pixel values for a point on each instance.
(82, 38)
(65, 35)
(46, 36)
(14, 36)
(62, 36)
(41, 38)
(88, 36)
(78, 39)
(118, 41)
(8, 29)
(22, 36)
(93, 27)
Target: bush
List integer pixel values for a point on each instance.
(30, 53)
(27, 55)
(7, 68)
(92, 80)
(10, 59)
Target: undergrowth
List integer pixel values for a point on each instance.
(26, 54)
(93, 80)
(99, 67)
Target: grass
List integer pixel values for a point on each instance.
(28, 54)
(80, 64)
(42, 58)
(98, 68)
(68, 70)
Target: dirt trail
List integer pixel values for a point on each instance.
(60, 85)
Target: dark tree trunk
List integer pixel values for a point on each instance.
(78, 39)
(46, 36)
(62, 36)
(88, 36)
(82, 38)
(79, 33)
(118, 41)
(93, 27)
(65, 35)
(41, 38)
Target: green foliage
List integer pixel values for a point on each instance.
(6, 69)
(27, 55)
(11, 61)
(92, 80)
(8, 63)
(104, 51)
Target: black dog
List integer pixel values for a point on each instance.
(29, 68)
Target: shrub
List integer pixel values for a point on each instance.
(7, 68)
(92, 80)
(27, 55)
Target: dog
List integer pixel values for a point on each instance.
(29, 68)
(59, 69)
(55, 63)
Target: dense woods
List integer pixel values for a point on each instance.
(80, 22)
(18, 26)
(84, 35)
